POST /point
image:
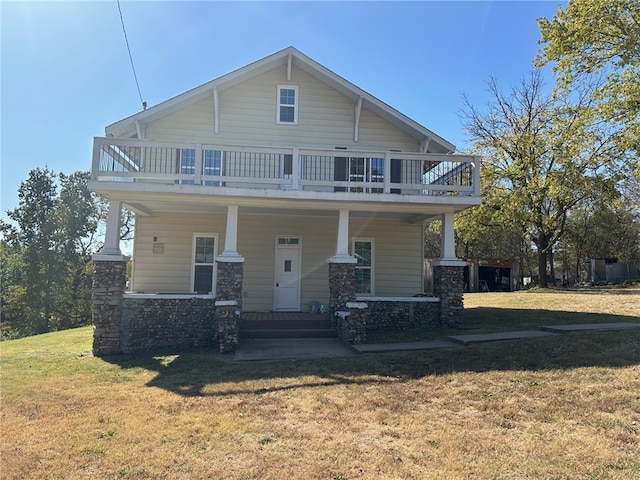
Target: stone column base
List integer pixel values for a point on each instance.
(342, 287)
(108, 284)
(448, 284)
(228, 317)
(352, 323)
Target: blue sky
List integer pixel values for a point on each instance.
(66, 72)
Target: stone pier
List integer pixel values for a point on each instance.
(229, 303)
(342, 287)
(448, 285)
(109, 281)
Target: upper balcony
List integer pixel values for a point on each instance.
(375, 175)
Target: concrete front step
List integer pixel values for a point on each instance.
(289, 333)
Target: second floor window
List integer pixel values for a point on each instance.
(212, 165)
(187, 159)
(366, 170)
(287, 111)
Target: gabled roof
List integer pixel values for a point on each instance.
(287, 56)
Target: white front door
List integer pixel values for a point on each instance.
(287, 276)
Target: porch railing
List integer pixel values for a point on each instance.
(325, 170)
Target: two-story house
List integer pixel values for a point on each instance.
(277, 187)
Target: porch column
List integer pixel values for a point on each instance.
(230, 253)
(448, 238)
(448, 276)
(342, 243)
(342, 268)
(229, 279)
(112, 235)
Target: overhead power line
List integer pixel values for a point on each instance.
(126, 39)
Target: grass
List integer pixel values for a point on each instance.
(530, 309)
(565, 407)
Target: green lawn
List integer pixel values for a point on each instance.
(563, 407)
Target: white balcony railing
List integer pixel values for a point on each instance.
(324, 170)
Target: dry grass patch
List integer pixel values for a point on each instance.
(556, 408)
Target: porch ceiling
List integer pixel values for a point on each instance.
(404, 207)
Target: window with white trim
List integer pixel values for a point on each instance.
(187, 164)
(364, 252)
(287, 105)
(203, 267)
(366, 170)
(211, 165)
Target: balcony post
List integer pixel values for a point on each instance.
(295, 168)
(476, 176)
(387, 172)
(95, 161)
(197, 180)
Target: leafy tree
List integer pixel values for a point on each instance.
(34, 238)
(600, 230)
(46, 253)
(599, 39)
(543, 155)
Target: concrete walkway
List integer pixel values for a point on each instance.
(254, 349)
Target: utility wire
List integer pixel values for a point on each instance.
(144, 104)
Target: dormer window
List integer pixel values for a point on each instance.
(287, 111)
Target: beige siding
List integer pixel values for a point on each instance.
(398, 254)
(169, 271)
(248, 117)
(398, 268)
(257, 243)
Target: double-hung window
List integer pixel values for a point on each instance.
(287, 105)
(202, 273)
(363, 250)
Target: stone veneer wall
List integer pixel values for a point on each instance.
(352, 329)
(448, 284)
(167, 322)
(342, 287)
(398, 315)
(108, 284)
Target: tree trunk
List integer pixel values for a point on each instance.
(553, 267)
(542, 268)
(542, 244)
